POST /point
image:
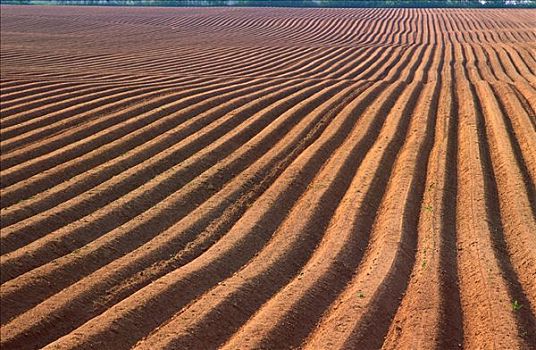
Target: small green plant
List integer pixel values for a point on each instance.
(361, 295)
(424, 260)
(516, 306)
(428, 207)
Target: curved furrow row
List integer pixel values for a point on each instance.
(483, 263)
(235, 184)
(111, 60)
(429, 315)
(145, 150)
(280, 178)
(162, 183)
(114, 78)
(308, 219)
(347, 322)
(165, 143)
(52, 122)
(28, 94)
(84, 117)
(269, 65)
(516, 192)
(267, 218)
(137, 129)
(519, 64)
(239, 63)
(17, 114)
(150, 215)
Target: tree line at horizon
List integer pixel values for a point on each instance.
(289, 3)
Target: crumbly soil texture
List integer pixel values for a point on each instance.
(262, 178)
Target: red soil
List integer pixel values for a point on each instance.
(268, 178)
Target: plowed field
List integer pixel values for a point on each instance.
(240, 178)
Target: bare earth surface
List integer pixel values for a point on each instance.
(268, 178)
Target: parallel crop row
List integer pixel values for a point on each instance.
(268, 178)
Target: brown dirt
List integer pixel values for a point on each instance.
(190, 178)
